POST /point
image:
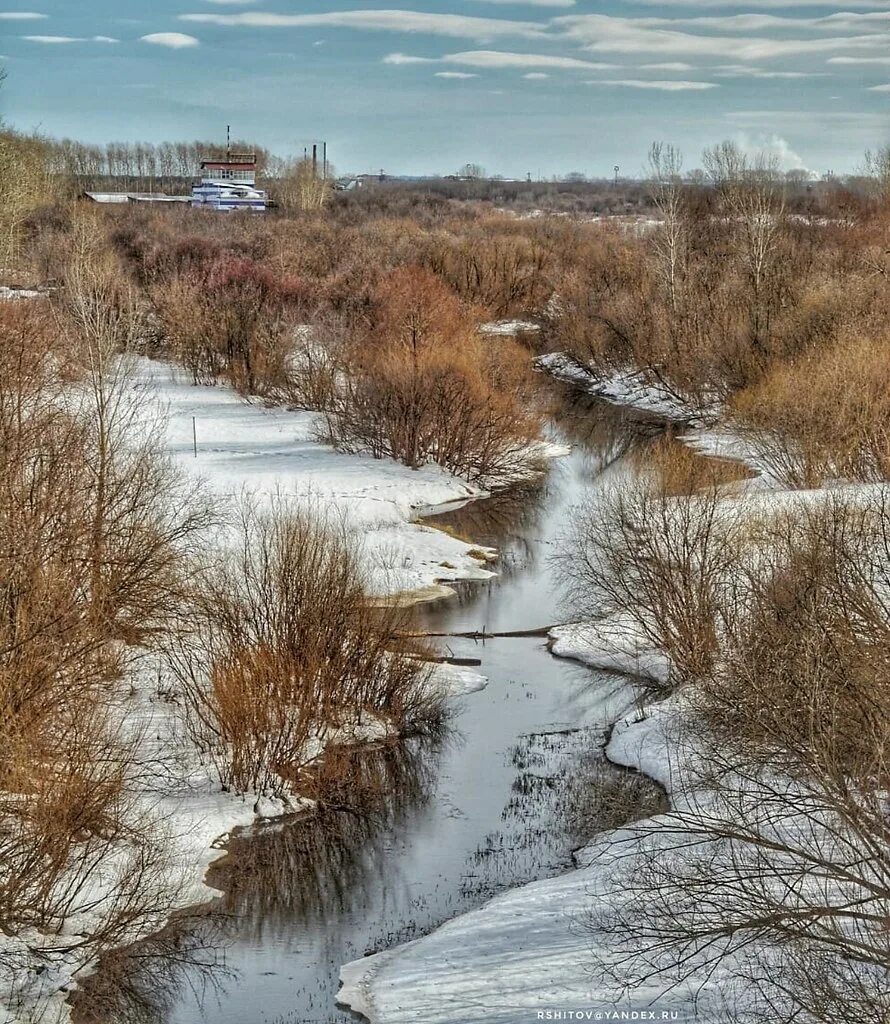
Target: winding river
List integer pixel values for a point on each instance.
(426, 829)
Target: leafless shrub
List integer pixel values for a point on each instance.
(423, 386)
(233, 317)
(653, 555)
(282, 645)
(310, 378)
(775, 863)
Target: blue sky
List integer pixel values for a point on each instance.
(545, 86)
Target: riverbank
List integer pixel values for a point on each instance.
(632, 388)
(235, 449)
(567, 944)
(496, 810)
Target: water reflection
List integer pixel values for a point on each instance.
(526, 522)
(143, 983)
(281, 873)
(420, 832)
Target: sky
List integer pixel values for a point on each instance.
(542, 87)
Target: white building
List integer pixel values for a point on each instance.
(229, 184)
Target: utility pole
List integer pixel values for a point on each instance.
(617, 169)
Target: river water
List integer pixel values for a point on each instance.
(426, 829)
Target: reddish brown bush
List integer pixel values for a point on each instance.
(232, 317)
(421, 385)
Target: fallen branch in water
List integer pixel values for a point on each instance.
(483, 634)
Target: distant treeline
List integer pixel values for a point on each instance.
(141, 166)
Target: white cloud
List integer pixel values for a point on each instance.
(62, 40)
(455, 25)
(880, 88)
(766, 4)
(501, 59)
(536, 76)
(669, 65)
(407, 58)
(172, 40)
(532, 3)
(21, 16)
(858, 60)
(746, 71)
(645, 83)
(455, 74)
(843, 21)
(602, 33)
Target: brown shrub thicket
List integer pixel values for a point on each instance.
(83, 565)
(823, 415)
(495, 266)
(281, 644)
(421, 385)
(232, 319)
(743, 274)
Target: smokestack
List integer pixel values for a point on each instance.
(324, 160)
(314, 160)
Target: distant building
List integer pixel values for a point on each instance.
(229, 184)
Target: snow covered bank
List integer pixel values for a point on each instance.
(610, 647)
(530, 950)
(628, 387)
(243, 448)
(9, 294)
(246, 447)
(509, 328)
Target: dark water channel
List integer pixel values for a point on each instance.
(426, 829)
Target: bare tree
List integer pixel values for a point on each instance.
(752, 190)
(877, 167)
(668, 193)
